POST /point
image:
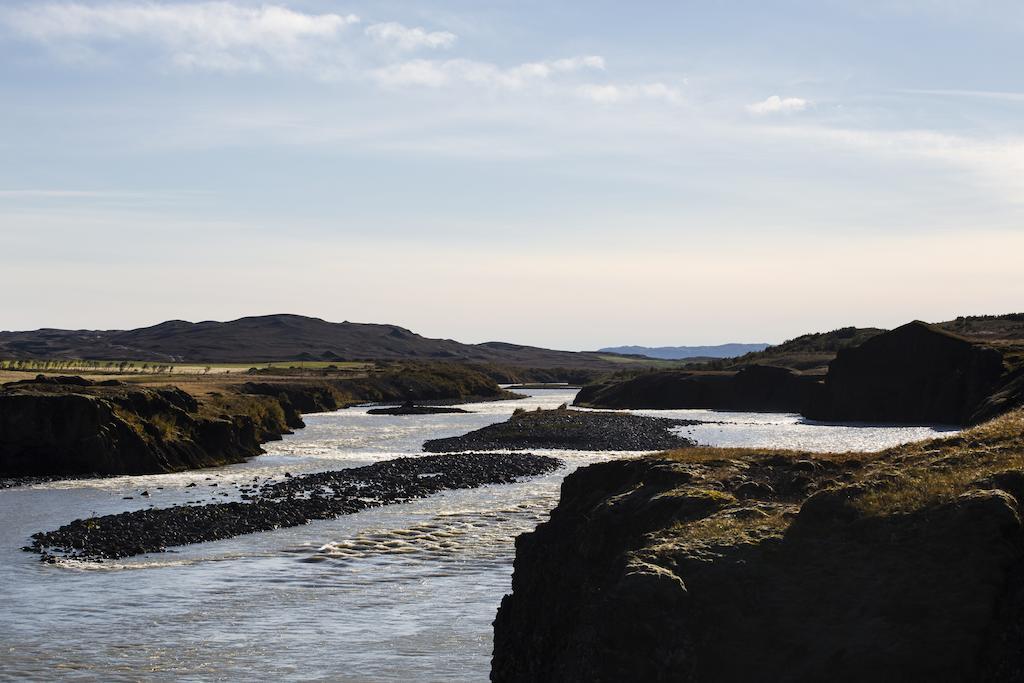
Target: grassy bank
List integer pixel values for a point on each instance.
(126, 423)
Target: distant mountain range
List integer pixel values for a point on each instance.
(682, 352)
(281, 337)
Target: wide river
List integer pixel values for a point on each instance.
(400, 593)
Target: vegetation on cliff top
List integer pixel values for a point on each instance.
(67, 426)
(717, 564)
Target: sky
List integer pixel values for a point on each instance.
(570, 175)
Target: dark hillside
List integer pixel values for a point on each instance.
(280, 337)
(808, 352)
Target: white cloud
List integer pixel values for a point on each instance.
(438, 73)
(993, 164)
(230, 36)
(615, 94)
(212, 35)
(980, 94)
(776, 104)
(405, 38)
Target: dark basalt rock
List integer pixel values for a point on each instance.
(613, 588)
(72, 426)
(296, 399)
(916, 373)
(569, 429)
(756, 387)
(413, 409)
(296, 500)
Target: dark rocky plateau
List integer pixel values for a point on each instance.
(292, 502)
(738, 565)
(71, 426)
(917, 373)
(569, 429)
(412, 409)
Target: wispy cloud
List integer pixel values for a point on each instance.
(777, 105)
(993, 164)
(438, 73)
(980, 94)
(611, 93)
(232, 37)
(405, 38)
(220, 36)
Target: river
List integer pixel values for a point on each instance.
(399, 593)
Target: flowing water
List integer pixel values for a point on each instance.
(405, 592)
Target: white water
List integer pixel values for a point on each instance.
(405, 592)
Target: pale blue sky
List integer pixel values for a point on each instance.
(564, 174)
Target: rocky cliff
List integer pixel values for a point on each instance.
(915, 373)
(756, 387)
(68, 426)
(740, 565)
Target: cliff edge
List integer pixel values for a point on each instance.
(740, 565)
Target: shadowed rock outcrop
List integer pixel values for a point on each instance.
(915, 373)
(756, 387)
(729, 565)
(71, 426)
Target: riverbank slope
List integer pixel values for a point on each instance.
(75, 426)
(711, 564)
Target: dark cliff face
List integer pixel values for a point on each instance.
(915, 373)
(52, 428)
(773, 567)
(756, 387)
(579, 610)
(67, 426)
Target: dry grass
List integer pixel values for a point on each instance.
(935, 472)
(900, 479)
(712, 454)
(731, 527)
(265, 410)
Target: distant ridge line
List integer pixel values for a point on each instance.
(730, 350)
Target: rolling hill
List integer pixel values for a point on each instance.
(281, 337)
